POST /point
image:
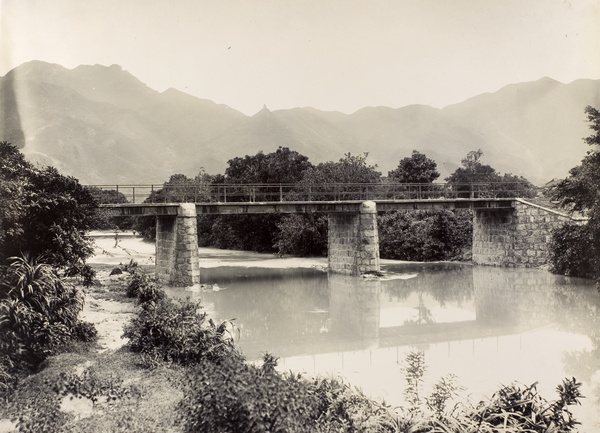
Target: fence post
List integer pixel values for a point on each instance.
(133, 194)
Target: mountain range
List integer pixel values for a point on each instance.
(104, 126)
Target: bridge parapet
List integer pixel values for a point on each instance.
(306, 192)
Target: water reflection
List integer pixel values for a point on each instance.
(487, 325)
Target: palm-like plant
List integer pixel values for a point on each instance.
(38, 310)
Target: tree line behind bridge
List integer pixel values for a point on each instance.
(286, 175)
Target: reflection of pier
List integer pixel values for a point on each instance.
(505, 304)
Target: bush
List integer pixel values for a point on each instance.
(38, 312)
(570, 251)
(237, 397)
(136, 283)
(143, 289)
(302, 235)
(234, 396)
(85, 331)
(86, 272)
(425, 235)
(42, 211)
(175, 331)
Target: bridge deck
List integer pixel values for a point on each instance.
(344, 206)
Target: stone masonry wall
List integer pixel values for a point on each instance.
(514, 237)
(177, 247)
(353, 241)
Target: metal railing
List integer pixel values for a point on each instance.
(281, 192)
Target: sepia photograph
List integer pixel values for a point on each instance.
(300, 216)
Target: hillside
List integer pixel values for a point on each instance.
(102, 125)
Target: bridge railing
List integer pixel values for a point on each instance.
(240, 193)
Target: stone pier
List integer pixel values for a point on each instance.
(353, 241)
(514, 237)
(177, 247)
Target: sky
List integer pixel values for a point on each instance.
(334, 55)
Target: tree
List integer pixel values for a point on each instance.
(480, 180)
(473, 171)
(43, 212)
(103, 220)
(332, 180)
(282, 166)
(580, 192)
(415, 169)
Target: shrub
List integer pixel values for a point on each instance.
(150, 294)
(86, 272)
(521, 408)
(424, 235)
(143, 289)
(42, 211)
(130, 267)
(175, 331)
(234, 397)
(302, 235)
(570, 251)
(136, 283)
(85, 331)
(38, 311)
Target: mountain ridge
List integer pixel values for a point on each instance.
(103, 125)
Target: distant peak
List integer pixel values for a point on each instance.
(263, 112)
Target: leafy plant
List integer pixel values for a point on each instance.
(443, 391)
(136, 283)
(43, 212)
(302, 235)
(175, 331)
(38, 311)
(98, 388)
(425, 235)
(131, 266)
(570, 251)
(414, 370)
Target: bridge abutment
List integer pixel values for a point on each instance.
(514, 237)
(353, 241)
(177, 247)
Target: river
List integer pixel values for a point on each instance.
(489, 326)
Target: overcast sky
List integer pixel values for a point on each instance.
(328, 54)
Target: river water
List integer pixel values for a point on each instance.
(489, 326)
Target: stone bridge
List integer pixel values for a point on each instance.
(506, 231)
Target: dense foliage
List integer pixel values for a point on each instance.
(425, 235)
(302, 235)
(174, 331)
(474, 177)
(282, 166)
(415, 169)
(38, 315)
(102, 218)
(420, 236)
(576, 250)
(235, 396)
(42, 212)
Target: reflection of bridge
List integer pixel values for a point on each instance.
(504, 304)
(507, 230)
